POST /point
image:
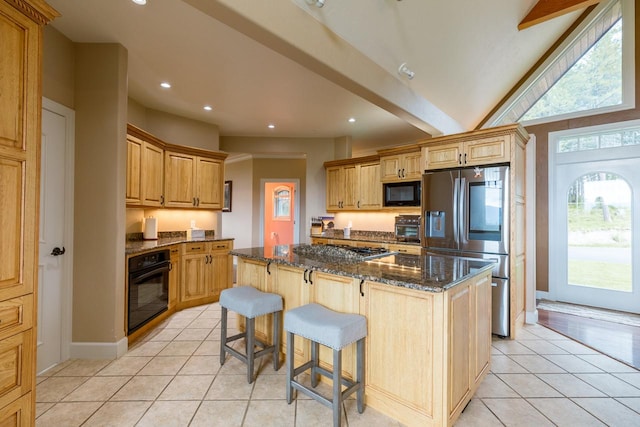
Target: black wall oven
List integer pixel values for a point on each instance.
(148, 288)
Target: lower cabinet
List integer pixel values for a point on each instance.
(18, 413)
(17, 364)
(426, 352)
(205, 270)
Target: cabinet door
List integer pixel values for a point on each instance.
(261, 276)
(389, 311)
(134, 170)
(16, 359)
(340, 294)
(412, 166)
(443, 156)
(180, 182)
(295, 293)
(370, 186)
(351, 188)
(221, 267)
(390, 168)
(175, 276)
(335, 184)
(18, 413)
(194, 284)
(460, 331)
(481, 342)
(210, 177)
(487, 151)
(152, 174)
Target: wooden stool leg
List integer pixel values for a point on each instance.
(337, 387)
(223, 335)
(360, 375)
(315, 357)
(250, 347)
(290, 367)
(276, 339)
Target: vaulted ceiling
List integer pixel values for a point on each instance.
(307, 69)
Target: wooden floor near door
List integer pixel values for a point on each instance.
(619, 341)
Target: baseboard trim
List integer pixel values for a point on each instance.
(99, 350)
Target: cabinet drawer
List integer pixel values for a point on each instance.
(16, 315)
(16, 366)
(18, 413)
(218, 246)
(405, 249)
(195, 248)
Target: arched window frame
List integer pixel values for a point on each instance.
(281, 200)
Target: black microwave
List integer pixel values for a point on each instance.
(401, 193)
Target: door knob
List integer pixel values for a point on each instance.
(57, 251)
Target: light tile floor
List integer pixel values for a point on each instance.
(173, 378)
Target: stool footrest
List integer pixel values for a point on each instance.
(311, 393)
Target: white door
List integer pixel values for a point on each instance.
(595, 239)
(54, 263)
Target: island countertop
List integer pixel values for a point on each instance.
(427, 272)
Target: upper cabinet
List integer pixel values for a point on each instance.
(353, 184)
(401, 164)
(193, 181)
(145, 172)
(483, 147)
(161, 174)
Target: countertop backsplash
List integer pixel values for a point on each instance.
(134, 237)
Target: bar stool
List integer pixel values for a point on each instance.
(336, 331)
(250, 303)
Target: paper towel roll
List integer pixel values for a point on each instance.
(150, 229)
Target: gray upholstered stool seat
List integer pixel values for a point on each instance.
(336, 331)
(250, 303)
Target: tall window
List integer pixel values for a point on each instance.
(592, 72)
(282, 203)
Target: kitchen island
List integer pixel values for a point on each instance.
(428, 318)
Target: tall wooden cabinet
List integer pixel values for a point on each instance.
(193, 181)
(401, 164)
(353, 184)
(21, 23)
(145, 171)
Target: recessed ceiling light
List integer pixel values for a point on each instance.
(208, 107)
(165, 85)
(351, 120)
(140, 2)
(271, 126)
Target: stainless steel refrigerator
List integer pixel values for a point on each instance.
(466, 213)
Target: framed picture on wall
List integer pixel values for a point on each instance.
(226, 205)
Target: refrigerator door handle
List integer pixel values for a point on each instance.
(461, 212)
(456, 195)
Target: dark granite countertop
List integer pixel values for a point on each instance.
(138, 246)
(427, 272)
(364, 236)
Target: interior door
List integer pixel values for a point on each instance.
(594, 246)
(51, 244)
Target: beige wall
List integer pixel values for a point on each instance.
(58, 73)
(237, 223)
(99, 213)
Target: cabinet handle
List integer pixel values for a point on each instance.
(170, 266)
(194, 201)
(361, 283)
(162, 199)
(403, 175)
(198, 201)
(310, 281)
(460, 158)
(304, 276)
(465, 158)
(196, 248)
(358, 204)
(268, 271)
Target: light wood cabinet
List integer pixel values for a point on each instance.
(448, 334)
(401, 166)
(405, 249)
(21, 25)
(193, 181)
(175, 275)
(205, 271)
(145, 172)
(353, 184)
(475, 152)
